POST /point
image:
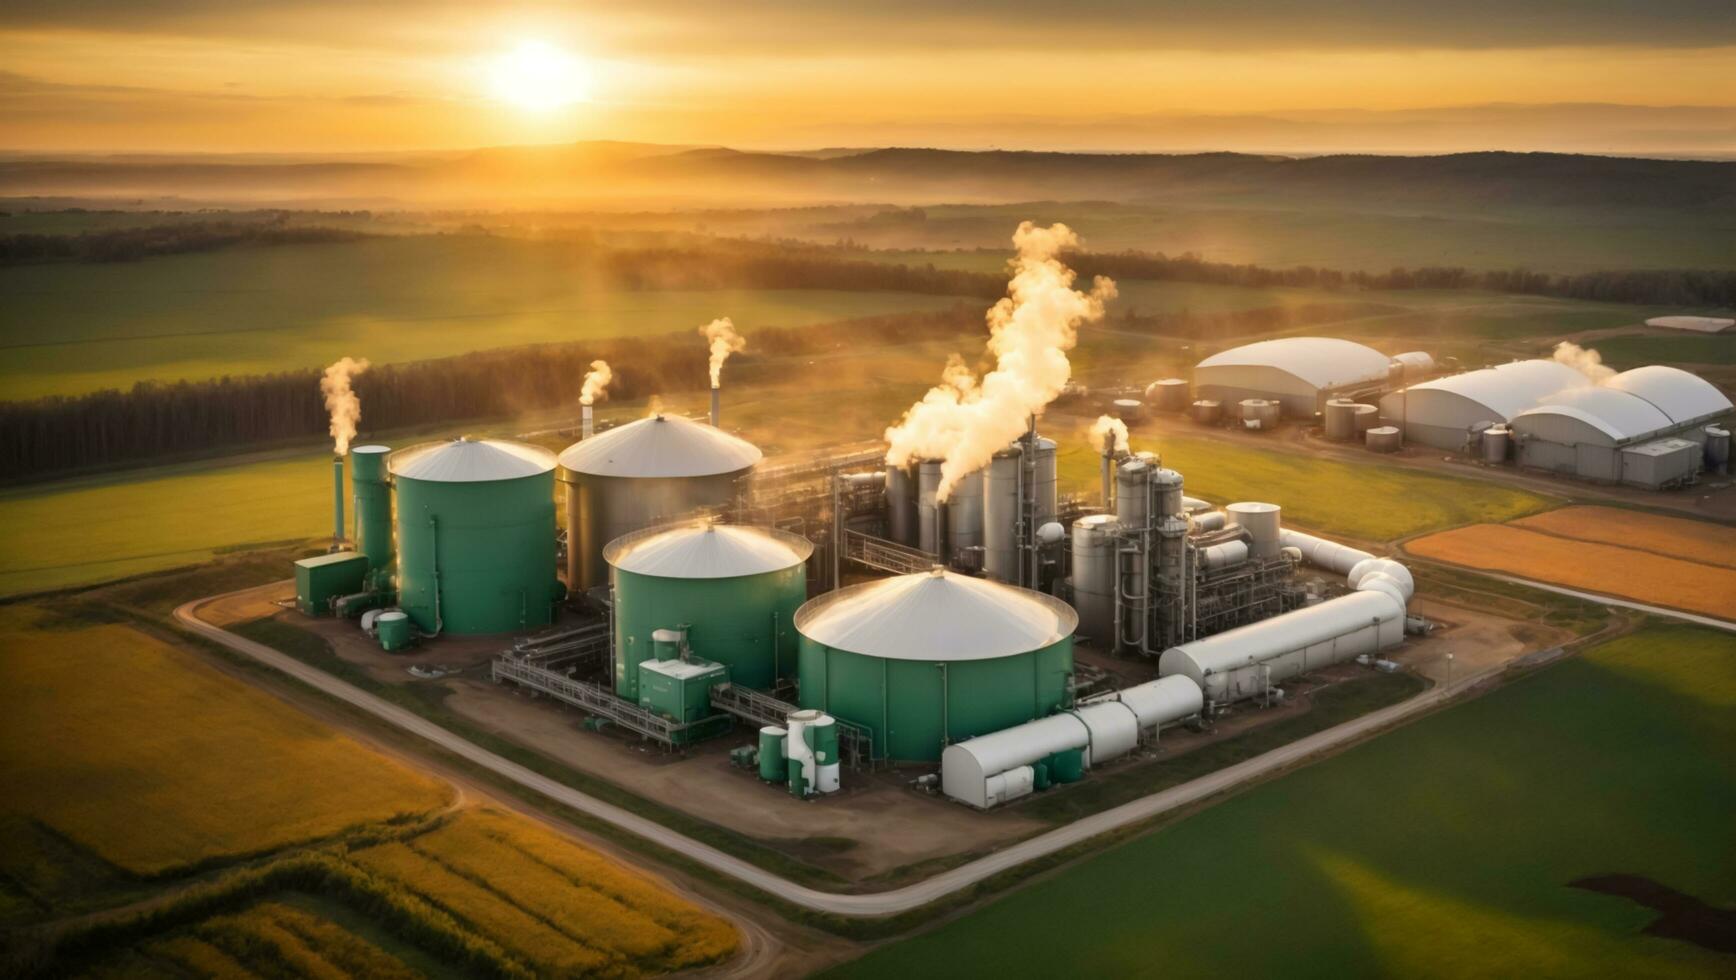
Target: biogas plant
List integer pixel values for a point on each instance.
(930, 609)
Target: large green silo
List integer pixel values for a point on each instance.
(476, 536)
(373, 504)
(735, 590)
(928, 659)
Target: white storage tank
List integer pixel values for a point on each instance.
(1208, 411)
(1259, 413)
(1365, 417)
(1127, 409)
(1261, 521)
(1495, 443)
(1167, 395)
(1340, 419)
(1717, 448)
(1384, 439)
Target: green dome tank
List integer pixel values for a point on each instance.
(733, 589)
(476, 535)
(928, 659)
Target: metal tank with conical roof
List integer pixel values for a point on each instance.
(733, 590)
(927, 659)
(476, 535)
(646, 472)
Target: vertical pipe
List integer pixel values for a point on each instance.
(714, 406)
(1108, 479)
(585, 422)
(837, 523)
(337, 502)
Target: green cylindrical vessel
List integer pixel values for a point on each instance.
(476, 536)
(393, 631)
(735, 590)
(798, 782)
(1068, 766)
(773, 767)
(1040, 776)
(928, 659)
(373, 507)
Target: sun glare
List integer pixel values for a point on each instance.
(538, 77)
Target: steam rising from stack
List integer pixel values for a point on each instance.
(1584, 360)
(341, 400)
(965, 420)
(720, 334)
(1105, 429)
(596, 383)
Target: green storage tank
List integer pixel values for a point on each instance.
(322, 578)
(680, 689)
(733, 590)
(370, 487)
(773, 766)
(392, 628)
(1067, 766)
(476, 535)
(927, 659)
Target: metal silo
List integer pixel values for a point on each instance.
(373, 504)
(476, 535)
(647, 472)
(1094, 545)
(964, 514)
(927, 659)
(901, 505)
(930, 513)
(1045, 486)
(732, 590)
(1001, 516)
(1261, 521)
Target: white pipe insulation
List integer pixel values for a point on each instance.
(998, 767)
(1242, 662)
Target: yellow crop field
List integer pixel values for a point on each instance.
(153, 761)
(1623, 572)
(559, 907)
(1714, 544)
(285, 936)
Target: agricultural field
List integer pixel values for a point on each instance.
(1483, 840)
(238, 836)
(72, 328)
(1644, 572)
(100, 749)
(1633, 350)
(1320, 494)
(1713, 544)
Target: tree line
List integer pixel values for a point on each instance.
(132, 244)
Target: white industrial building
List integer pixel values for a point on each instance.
(1444, 413)
(1299, 373)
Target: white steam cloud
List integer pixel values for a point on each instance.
(965, 420)
(720, 334)
(1584, 360)
(596, 383)
(1105, 428)
(341, 400)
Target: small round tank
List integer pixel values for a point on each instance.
(650, 471)
(1261, 521)
(476, 535)
(1384, 439)
(1340, 419)
(392, 628)
(772, 765)
(1495, 444)
(1365, 416)
(1127, 409)
(1167, 395)
(1208, 411)
(1717, 448)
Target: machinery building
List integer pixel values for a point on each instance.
(1297, 373)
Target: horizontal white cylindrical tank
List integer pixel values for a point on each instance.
(1239, 663)
(1261, 521)
(1223, 555)
(1004, 787)
(1415, 363)
(1161, 702)
(1321, 553)
(1114, 730)
(1211, 520)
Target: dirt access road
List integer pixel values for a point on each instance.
(874, 905)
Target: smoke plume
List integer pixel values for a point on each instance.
(1105, 428)
(1584, 360)
(964, 420)
(341, 400)
(596, 383)
(720, 334)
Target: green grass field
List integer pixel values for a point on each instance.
(1637, 349)
(1317, 493)
(1446, 848)
(71, 328)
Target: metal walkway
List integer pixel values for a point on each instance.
(855, 742)
(886, 556)
(560, 647)
(593, 698)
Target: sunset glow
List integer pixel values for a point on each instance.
(538, 77)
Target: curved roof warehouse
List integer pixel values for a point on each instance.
(1296, 372)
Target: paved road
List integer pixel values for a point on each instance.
(861, 906)
(1722, 624)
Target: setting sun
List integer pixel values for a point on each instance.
(537, 76)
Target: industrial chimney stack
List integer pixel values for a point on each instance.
(714, 406)
(337, 503)
(585, 423)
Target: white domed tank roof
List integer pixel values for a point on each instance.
(936, 616)
(1684, 397)
(470, 461)
(707, 551)
(661, 446)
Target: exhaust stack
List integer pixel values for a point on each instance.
(585, 422)
(337, 503)
(714, 405)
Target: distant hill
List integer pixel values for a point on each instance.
(628, 174)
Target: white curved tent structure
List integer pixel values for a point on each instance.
(1297, 372)
(1611, 434)
(1442, 412)
(1687, 398)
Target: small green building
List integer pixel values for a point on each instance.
(322, 578)
(680, 689)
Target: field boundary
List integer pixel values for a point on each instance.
(855, 906)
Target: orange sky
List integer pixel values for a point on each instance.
(310, 75)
